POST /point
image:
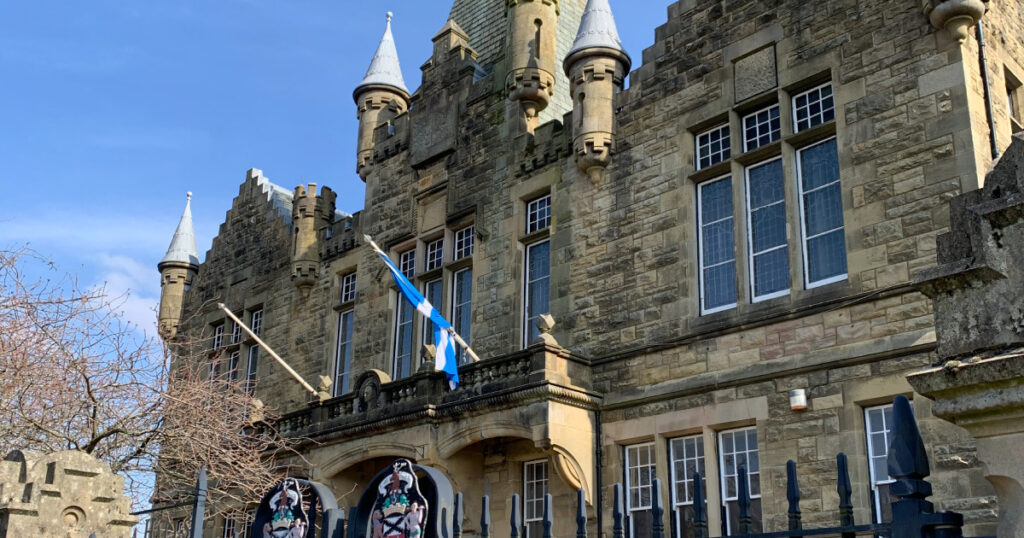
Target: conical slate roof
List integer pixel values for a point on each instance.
(183, 245)
(597, 29)
(384, 68)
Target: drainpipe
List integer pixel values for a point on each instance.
(988, 91)
(597, 479)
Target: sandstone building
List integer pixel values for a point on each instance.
(735, 231)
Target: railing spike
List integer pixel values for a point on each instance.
(199, 506)
(700, 511)
(657, 512)
(457, 515)
(912, 513)
(844, 490)
(581, 514)
(793, 496)
(548, 515)
(617, 511)
(444, 522)
(485, 517)
(350, 530)
(515, 521)
(743, 499)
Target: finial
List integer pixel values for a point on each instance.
(188, 195)
(389, 15)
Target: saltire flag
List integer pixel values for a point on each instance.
(445, 360)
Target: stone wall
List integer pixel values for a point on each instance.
(61, 495)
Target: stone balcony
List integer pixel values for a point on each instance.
(541, 394)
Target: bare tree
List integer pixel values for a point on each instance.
(75, 376)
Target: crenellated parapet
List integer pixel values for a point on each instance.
(312, 215)
(531, 54)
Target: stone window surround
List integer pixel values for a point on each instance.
(787, 147)
(1014, 100)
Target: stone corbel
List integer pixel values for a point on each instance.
(955, 16)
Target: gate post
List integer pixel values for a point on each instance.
(199, 506)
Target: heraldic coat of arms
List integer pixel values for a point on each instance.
(400, 510)
(282, 515)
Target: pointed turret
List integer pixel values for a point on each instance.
(596, 66)
(177, 269)
(381, 96)
(532, 43)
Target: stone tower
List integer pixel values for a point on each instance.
(177, 269)
(595, 65)
(531, 53)
(380, 97)
(311, 217)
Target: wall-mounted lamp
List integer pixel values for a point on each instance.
(798, 400)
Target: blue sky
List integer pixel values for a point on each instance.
(111, 110)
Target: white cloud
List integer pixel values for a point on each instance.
(135, 284)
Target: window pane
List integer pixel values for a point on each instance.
(537, 275)
(343, 357)
(432, 293)
(403, 339)
(826, 255)
(768, 227)
(819, 165)
(771, 272)
(720, 285)
(462, 299)
(823, 210)
(718, 243)
(716, 200)
(712, 146)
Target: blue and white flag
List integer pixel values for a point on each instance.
(444, 335)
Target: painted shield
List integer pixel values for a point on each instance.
(400, 510)
(281, 514)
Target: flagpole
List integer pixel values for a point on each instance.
(276, 357)
(455, 336)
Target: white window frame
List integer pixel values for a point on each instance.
(804, 240)
(724, 154)
(527, 283)
(252, 364)
(341, 373)
(229, 527)
(538, 214)
(236, 333)
(218, 336)
(456, 302)
(886, 431)
(757, 127)
(528, 501)
(700, 247)
(400, 306)
(434, 255)
(427, 329)
(256, 321)
(754, 298)
(233, 360)
(628, 466)
(407, 263)
(348, 287)
(464, 239)
(796, 111)
(722, 477)
(687, 480)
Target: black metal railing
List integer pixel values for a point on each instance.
(913, 515)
